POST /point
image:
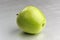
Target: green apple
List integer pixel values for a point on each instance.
(31, 20)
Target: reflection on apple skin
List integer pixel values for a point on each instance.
(24, 36)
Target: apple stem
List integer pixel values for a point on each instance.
(16, 14)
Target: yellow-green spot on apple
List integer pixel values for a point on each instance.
(31, 20)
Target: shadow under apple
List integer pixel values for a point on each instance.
(19, 34)
(26, 36)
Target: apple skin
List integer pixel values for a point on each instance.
(31, 20)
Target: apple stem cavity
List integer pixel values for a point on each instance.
(42, 25)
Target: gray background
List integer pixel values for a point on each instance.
(9, 29)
